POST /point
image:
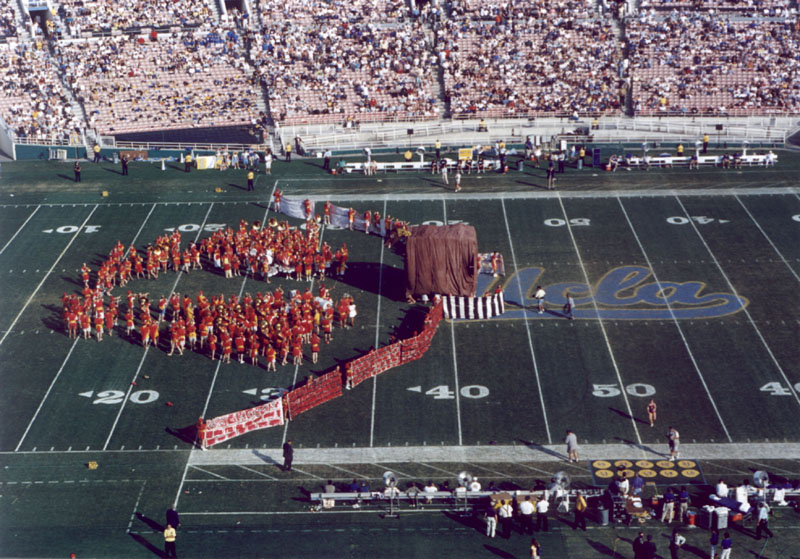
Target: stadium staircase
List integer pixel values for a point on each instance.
(438, 84)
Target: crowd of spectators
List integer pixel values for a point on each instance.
(8, 19)
(128, 83)
(32, 98)
(344, 59)
(370, 60)
(700, 62)
(770, 8)
(530, 57)
(79, 16)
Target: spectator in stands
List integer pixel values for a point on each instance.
(353, 487)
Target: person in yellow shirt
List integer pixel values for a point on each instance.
(705, 143)
(438, 146)
(250, 177)
(187, 163)
(680, 150)
(408, 155)
(288, 152)
(580, 512)
(96, 153)
(169, 541)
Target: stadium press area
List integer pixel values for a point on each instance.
(694, 277)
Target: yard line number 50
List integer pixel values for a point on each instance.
(639, 389)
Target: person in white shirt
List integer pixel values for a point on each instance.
(475, 485)
(722, 489)
(542, 506)
(526, 509)
(430, 488)
(742, 493)
(540, 295)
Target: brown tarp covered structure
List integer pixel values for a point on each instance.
(442, 259)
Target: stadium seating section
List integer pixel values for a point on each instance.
(154, 64)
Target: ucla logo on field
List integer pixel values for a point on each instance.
(624, 293)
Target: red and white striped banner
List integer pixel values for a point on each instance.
(238, 423)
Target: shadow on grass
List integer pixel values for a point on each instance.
(267, 459)
(157, 526)
(67, 177)
(642, 446)
(467, 520)
(535, 446)
(147, 545)
(112, 171)
(628, 416)
(186, 434)
(602, 548)
(498, 552)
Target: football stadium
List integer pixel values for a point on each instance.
(400, 278)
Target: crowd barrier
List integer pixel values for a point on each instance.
(318, 390)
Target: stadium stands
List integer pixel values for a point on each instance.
(8, 19)
(32, 98)
(181, 80)
(324, 62)
(93, 16)
(698, 63)
(541, 58)
(337, 62)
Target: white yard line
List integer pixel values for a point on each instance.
(744, 309)
(600, 322)
(21, 227)
(775, 248)
(47, 275)
(677, 323)
(527, 326)
(46, 394)
(183, 480)
(144, 356)
(377, 340)
(455, 359)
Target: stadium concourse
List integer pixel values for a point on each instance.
(675, 275)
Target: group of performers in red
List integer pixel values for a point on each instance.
(272, 325)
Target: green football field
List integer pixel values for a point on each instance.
(685, 285)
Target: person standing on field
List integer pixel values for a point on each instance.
(540, 295)
(169, 541)
(674, 439)
(572, 446)
(651, 412)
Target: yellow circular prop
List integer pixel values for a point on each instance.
(647, 473)
(686, 464)
(601, 464)
(669, 473)
(623, 463)
(690, 473)
(644, 464)
(604, 473)
(665, 464)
